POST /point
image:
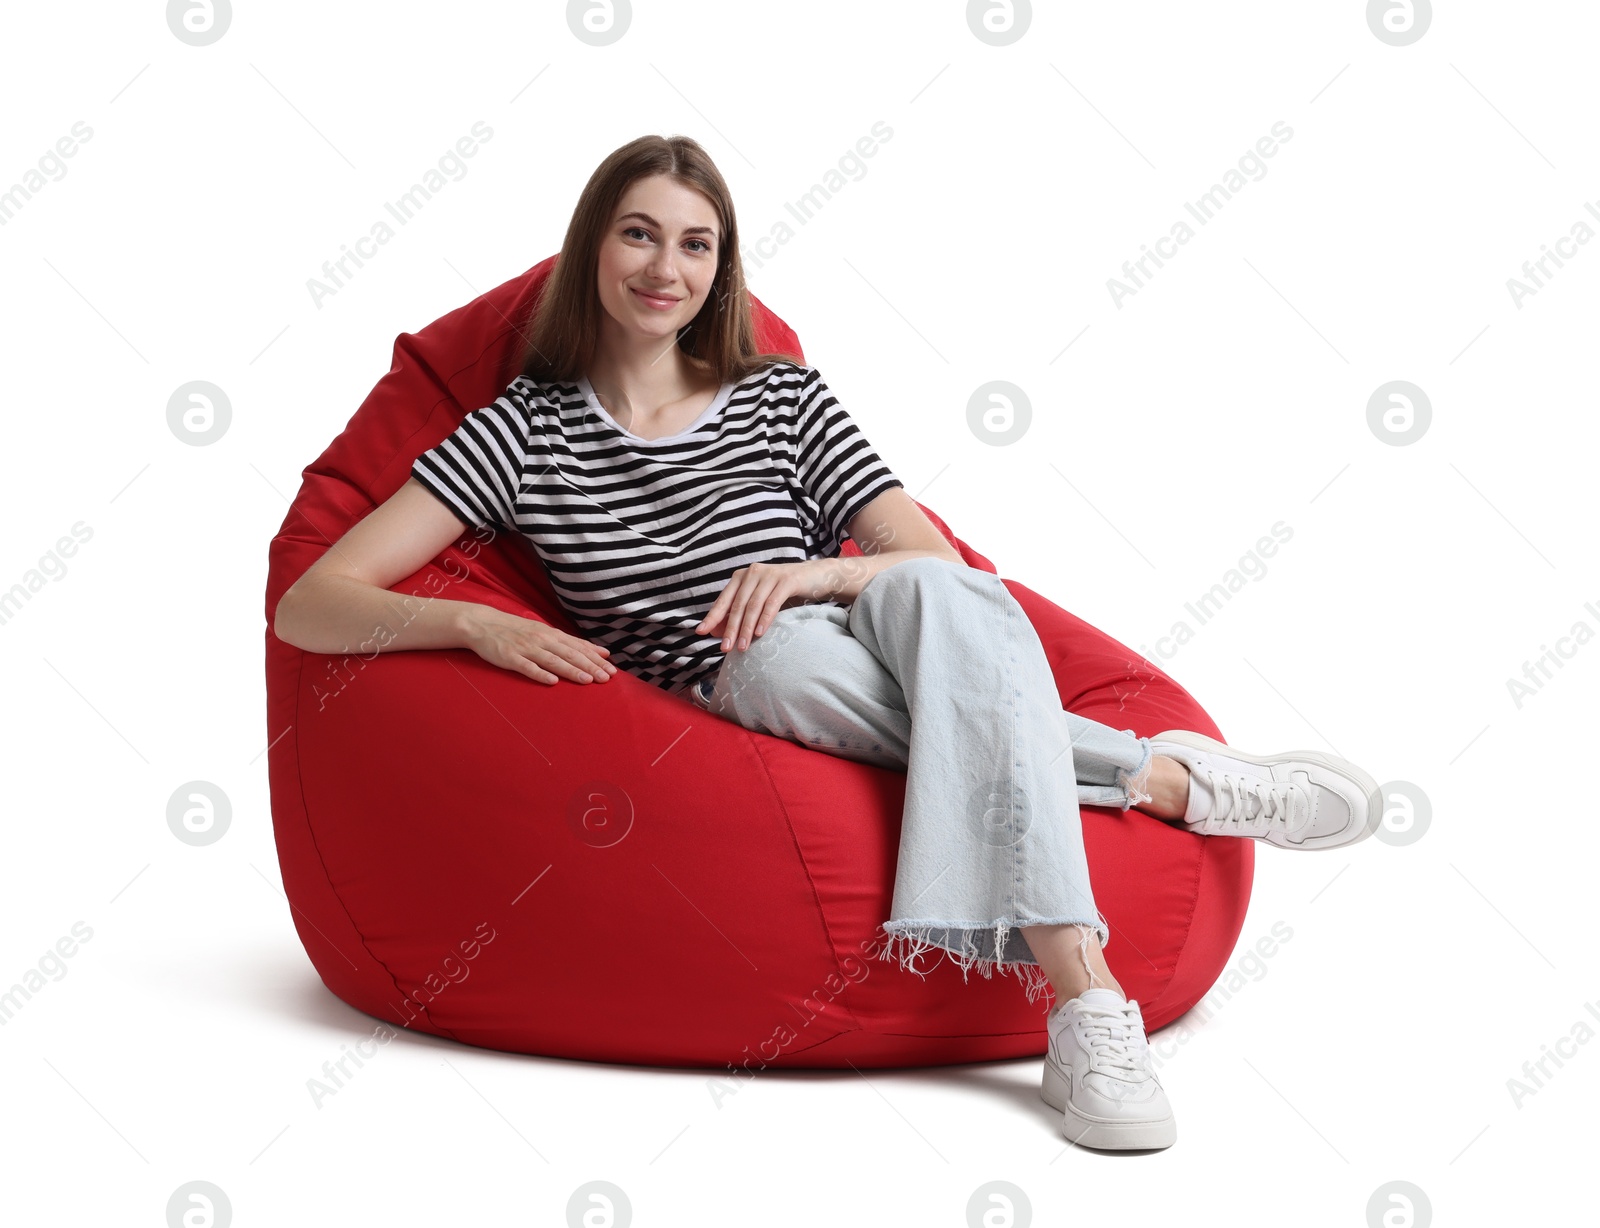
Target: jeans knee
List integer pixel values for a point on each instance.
(796, 646)
(922, 570)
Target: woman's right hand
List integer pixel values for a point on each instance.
(542, 652)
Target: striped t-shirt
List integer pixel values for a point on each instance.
(640, 536)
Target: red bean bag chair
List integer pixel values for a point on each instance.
(472, 854)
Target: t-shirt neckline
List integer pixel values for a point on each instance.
(711, 411)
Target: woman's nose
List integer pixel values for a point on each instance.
(661, 270)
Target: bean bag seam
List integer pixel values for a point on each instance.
(822, 914)
(789, 1052)
(322, 864)
(962, 1036)
(1188, 929)
(932, 1036)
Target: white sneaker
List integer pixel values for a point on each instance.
(1299, 799)
(1097, 1071)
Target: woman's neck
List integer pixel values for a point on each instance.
(642, 384)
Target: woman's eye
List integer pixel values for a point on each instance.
(640, 230)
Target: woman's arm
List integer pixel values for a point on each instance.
(889, 530)
(342, 602)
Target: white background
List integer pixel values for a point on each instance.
(1228, 394)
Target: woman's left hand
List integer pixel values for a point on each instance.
(755, 594)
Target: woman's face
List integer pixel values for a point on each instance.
(663, 242)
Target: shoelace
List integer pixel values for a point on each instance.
(1280, 802)
(1112, 1035)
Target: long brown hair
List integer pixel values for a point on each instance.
(560, 338)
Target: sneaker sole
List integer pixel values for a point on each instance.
(1093, 1131)
(1366, 786)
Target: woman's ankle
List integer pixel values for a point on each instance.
(1066, 993)
(1169, 789)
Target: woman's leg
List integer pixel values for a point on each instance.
(1114, 768)
(1072, 959)
(809, 680)
(813, 681)
(991, 843)
(836, 696)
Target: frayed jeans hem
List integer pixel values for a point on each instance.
(982, 946)
(1135, 784)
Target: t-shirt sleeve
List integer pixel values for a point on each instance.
(834, 462)
(477, 469)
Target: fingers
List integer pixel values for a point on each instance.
(708, 624)
(748, 603)
(570, 661)
(558, 666)
(536, 671)
(750, 615)
(775, 602)
(595, 659)
(734, 597)
(726, 601)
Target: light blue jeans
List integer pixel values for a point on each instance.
(935, 670)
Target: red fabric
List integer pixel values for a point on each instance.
(428, 806)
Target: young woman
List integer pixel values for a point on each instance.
(688, 497)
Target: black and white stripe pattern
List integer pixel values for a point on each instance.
(640, 536)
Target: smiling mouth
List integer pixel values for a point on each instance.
(655, 298)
